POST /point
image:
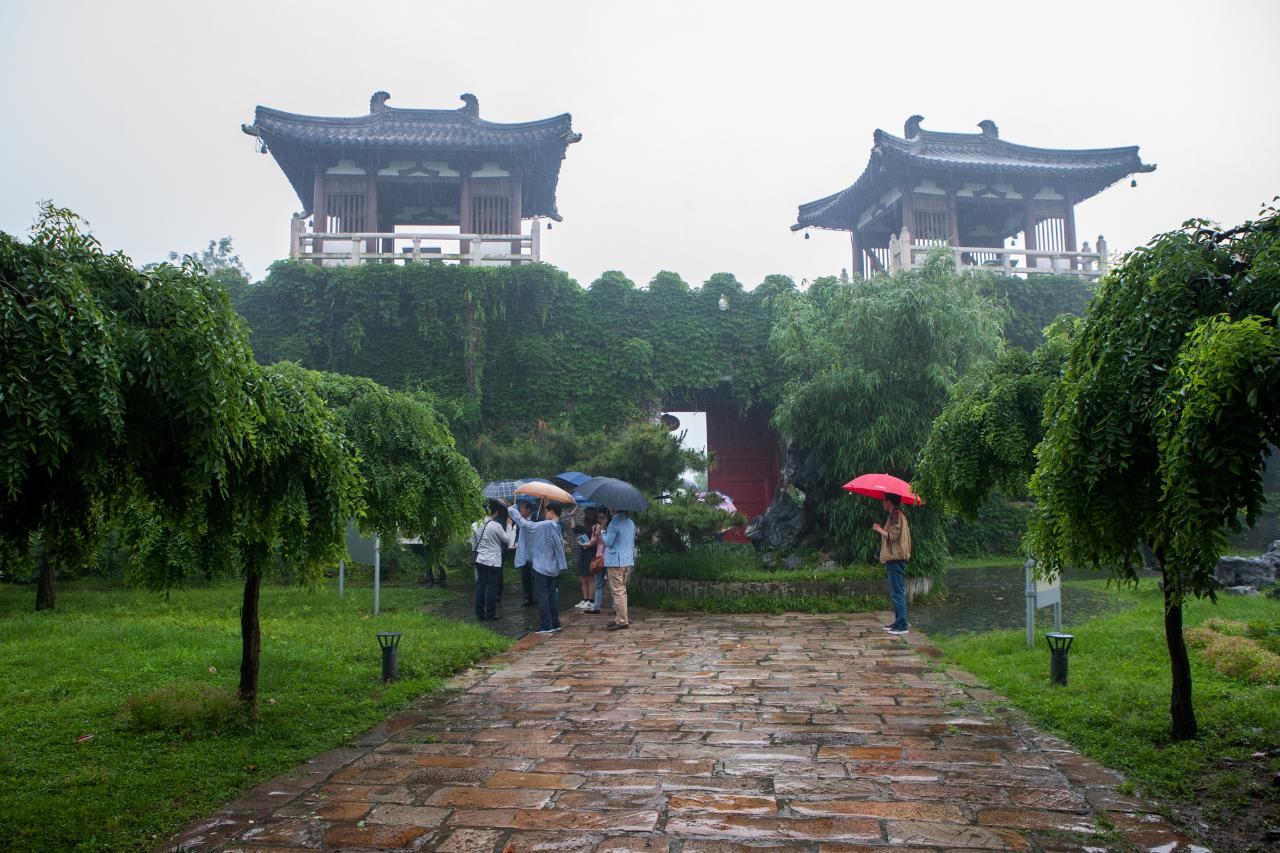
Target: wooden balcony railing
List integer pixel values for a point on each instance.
(906, 254)
(356, 247)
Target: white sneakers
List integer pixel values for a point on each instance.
(584, 605)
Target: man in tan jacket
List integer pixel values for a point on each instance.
(895, 551)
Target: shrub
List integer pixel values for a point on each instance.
(1225, 646)
(190, 710)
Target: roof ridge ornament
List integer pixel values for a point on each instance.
(912, 128)
(989, 129)
(470, 105)
(378, 102)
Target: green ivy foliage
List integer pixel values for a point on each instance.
(511, 346)
(870, 367)
(1034, 302)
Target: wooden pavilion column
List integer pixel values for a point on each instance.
(319, 213)
(371, 208)
(857, 252)
(464, 209)
(1029, 223)
(908, 210)
(517, 216)
(953, 221)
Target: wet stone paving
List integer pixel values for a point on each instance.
(700, 734)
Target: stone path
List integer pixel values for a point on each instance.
(700, 734)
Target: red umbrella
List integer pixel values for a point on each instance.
(879, 485)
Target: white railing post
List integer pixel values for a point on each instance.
(295, 237)
(417, 249)
(1102, 255)
(475, 252)
(894, 260)
(905, 247)
(355, 251)
(535, 241)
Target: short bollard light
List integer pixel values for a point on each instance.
(1059, 648)
(388, 641)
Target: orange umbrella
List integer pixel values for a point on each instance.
(547, 492)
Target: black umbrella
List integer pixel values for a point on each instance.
(615, 494)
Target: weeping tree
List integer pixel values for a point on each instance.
(1168, 405)
(237, 465)
(985, 439)
(870, 365)
(413, 481)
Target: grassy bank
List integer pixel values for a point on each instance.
(734, 563)
(1116, 707)
(149, 679)
(761, 603)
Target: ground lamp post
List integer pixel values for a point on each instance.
(1059, 648)
(389, 641)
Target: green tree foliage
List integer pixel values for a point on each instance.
(870, 366)
(986, 436)
(685, 520)
(243, 465)
(414, 481)
(1157, 432)
(219, 262)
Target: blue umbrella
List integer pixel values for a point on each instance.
(503, 490)
(570, 480)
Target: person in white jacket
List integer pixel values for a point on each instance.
(489, 537)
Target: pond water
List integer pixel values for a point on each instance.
(988, 598)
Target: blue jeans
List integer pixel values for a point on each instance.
(547, 591)
(602, 578)
(526, 582)
(487, 591)
(897, 572)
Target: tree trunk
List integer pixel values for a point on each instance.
(1183, 715)
(250, 642)
(46, 587)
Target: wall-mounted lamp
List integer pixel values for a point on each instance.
(550, 225)
(806, 235)
(1133, 182)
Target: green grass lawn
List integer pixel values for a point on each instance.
(69, 673)
(1116, 707)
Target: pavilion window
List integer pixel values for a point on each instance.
(1051, 234)
(491, 214)
(931, 228)
(345, 213)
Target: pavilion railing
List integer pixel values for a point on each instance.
(348, 248)
(907, 254)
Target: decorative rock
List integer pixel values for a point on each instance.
(1241, 590)
(792, 561)
(783, 525)
(1249, 571)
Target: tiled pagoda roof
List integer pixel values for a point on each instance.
(972, 157)
(299, 142)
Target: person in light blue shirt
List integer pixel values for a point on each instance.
(522, 554)
(619, 558)
(544, 545)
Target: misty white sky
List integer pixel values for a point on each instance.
(704, 125)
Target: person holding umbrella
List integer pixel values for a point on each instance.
(895, 536)
(619, 558)
(895, 551)
(545, 547)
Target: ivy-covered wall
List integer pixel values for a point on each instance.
(504, 347)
